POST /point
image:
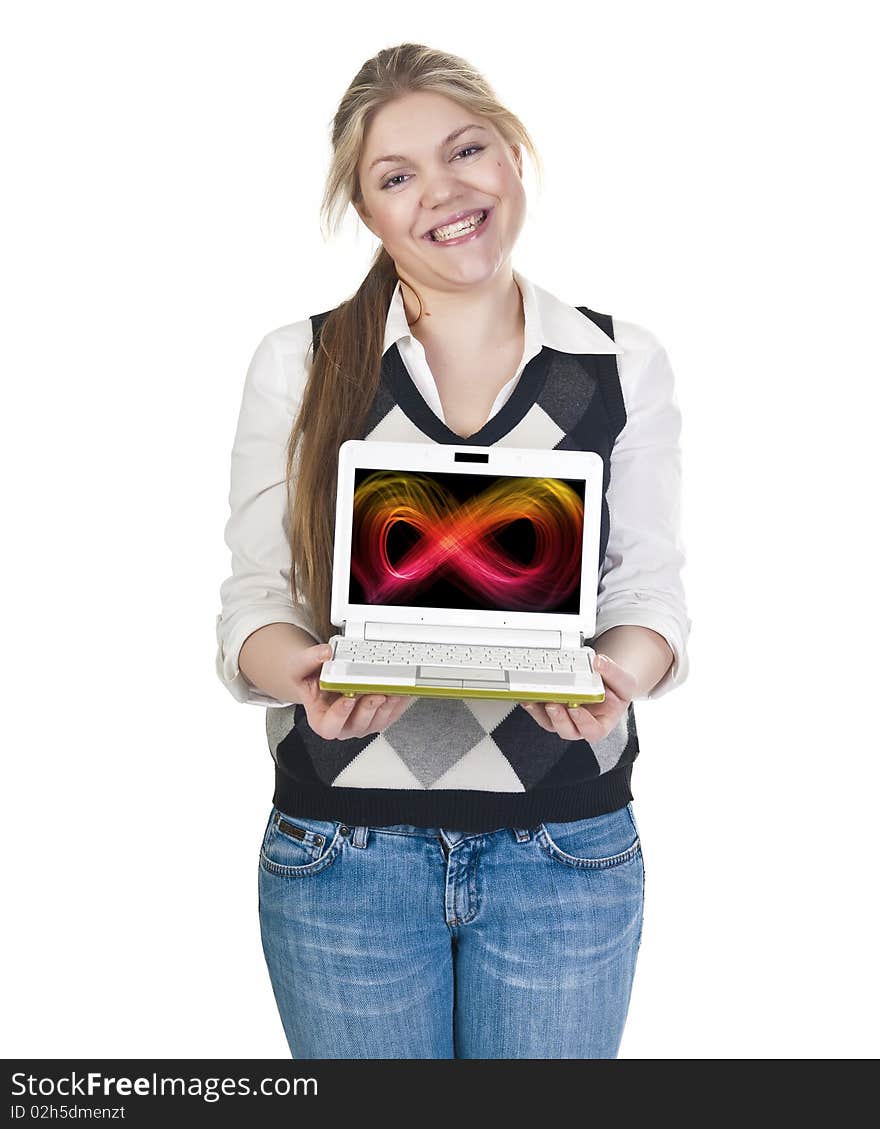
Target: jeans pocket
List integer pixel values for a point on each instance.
(598, 842)
(294, 846)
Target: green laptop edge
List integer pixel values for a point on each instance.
(349, 691)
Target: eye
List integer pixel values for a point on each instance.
(389, 183)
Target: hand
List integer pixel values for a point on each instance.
(593, 720)
(332, 715)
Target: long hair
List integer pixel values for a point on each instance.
(345, 369)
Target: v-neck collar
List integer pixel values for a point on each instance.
(551, 325)
(526, 391)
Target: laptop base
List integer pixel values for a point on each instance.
(349, 691)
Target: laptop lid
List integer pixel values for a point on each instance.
(435, 535)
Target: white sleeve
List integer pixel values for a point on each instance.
(641, 580)
(258, 590)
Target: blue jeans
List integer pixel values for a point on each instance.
(414, 942)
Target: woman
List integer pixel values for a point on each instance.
(447, 878)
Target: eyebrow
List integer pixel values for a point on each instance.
(446, 140)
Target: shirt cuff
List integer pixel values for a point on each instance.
(229, 646)
(663, 625)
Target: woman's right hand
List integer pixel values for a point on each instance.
(332, 715)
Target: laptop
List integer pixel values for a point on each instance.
(465, 572)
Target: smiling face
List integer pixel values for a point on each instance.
(432, 176)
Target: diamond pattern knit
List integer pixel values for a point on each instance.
(471, 764)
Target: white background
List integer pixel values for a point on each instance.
(708, 175)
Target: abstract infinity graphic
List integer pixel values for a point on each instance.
(458, 540)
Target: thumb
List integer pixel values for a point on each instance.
(310, 659)
(621, 681)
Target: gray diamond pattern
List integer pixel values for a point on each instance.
(432, 735)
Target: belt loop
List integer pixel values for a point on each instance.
(359, 837)
(522, 834)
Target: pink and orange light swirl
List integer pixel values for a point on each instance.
(458, 540)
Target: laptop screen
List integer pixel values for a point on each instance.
(492, 542)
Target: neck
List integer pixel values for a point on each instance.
(488, 316)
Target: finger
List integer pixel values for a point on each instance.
(561, 722)
(398, 703)
(571, 723)
(613, 697)
(539, 712)
(361, 718)
(597, 721)
(339, 720)
(327, 714)
(615, 677)
(310, 661)
(327, 699)
(385, 714)
(586, 724)
(336, 716)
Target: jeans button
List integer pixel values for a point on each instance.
(343, 830)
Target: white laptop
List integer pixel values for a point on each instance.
(465, 572)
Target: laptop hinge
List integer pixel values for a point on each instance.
(448, 633)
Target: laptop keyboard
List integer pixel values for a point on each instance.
(456, 660)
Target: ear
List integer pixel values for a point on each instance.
(361, 210)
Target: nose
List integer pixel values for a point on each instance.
(441, 205)
(441, 189)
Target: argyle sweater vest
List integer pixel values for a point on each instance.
(471, 764)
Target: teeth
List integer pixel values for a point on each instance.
(453, 229)
(457, 228)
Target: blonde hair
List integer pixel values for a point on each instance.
(345, 370)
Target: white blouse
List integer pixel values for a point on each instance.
(641, 582)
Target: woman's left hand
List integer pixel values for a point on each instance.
(593, 720)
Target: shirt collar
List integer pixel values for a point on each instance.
(549, 321)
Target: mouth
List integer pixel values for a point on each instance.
(468, 226)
